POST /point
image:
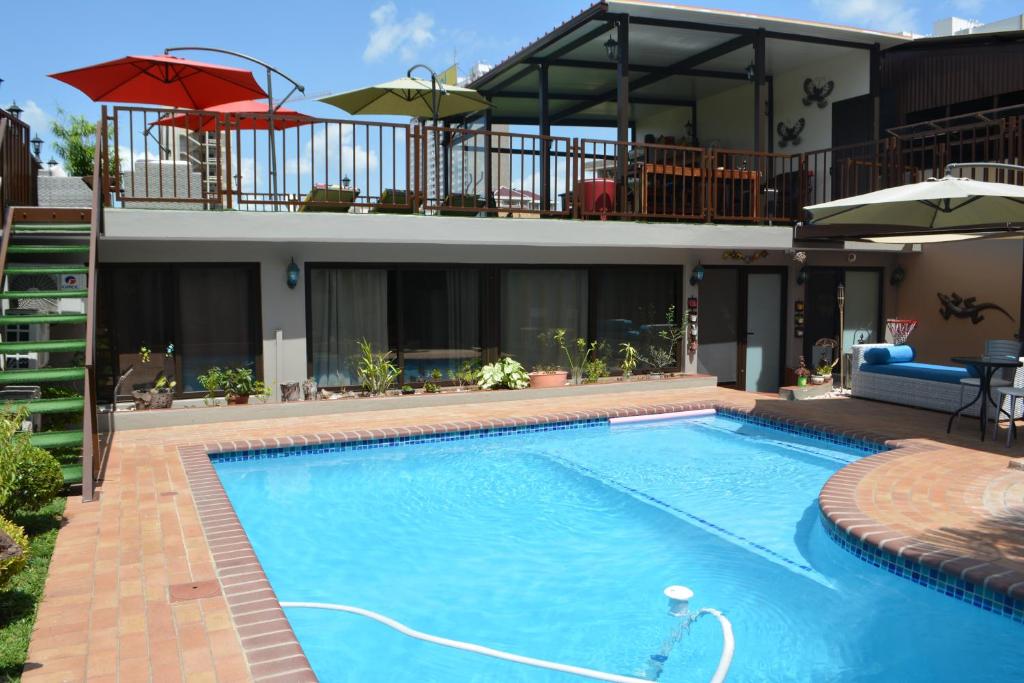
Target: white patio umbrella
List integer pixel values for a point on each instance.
(943, 209)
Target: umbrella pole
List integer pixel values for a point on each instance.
(272, 147)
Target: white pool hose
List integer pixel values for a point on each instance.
(723, 665)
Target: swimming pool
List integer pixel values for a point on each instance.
(557, 544)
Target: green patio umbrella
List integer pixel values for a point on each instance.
(410, 96)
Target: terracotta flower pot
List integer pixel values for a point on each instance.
(546, 380)
(238, 400)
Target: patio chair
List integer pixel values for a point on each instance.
(329, 198)
(1007, 402)
(993, 347)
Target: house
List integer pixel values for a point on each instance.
(718, 128)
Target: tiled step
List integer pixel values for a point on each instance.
(57, 439)
(41, 375)
(72, 473)
(48, 406)
(43, 319)
(49, 346)
(48, 249)
(71, 269)
(42, 294)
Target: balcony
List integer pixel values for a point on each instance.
(358, 167)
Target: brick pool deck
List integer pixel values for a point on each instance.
(155, 580)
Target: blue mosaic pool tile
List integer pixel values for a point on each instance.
(929, 577)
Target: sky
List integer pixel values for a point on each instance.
(332, 46)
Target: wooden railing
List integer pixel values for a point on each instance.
(360, 167)
(91, 461)
(17, 165)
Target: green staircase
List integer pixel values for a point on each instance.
(37, 246)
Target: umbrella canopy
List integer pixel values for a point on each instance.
(164, 80)
(409, 96)
(233, 114)
(930, 209)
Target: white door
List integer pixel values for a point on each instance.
(764, 331)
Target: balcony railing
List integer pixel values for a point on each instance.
(17, 165)
(339, 165)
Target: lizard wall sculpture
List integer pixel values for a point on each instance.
(956, 306)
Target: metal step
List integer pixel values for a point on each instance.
(47, 406)
(48, 249)
(45, 294)
(18, 269)
(73, 437)
(49, 346)
(43, 319)
(41, 375)
(55, 228)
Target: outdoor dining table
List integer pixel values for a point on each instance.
(987, 366)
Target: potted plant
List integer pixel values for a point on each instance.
(547, 376)
(237, 384)
(802, 373)
(822, 373)
(160, 396)
(594, 369)
(578, 353)
(662, 358)
(505, 373)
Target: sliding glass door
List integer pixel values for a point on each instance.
(346, 305)
(534, 303)
(210, 313)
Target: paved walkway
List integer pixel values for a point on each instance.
(125, 597)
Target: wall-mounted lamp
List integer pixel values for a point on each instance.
(15, 110)
(751, 71)
(801, 276)
(611, 47)
(293, 275)
(345, 181)
(697, 276)
(897, 276)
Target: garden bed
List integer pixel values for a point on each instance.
(20, 599)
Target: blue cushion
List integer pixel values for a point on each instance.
(883, 355)
(926, 371)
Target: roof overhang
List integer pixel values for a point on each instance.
(677, 54)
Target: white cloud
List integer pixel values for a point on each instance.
(393, 35)
(885, 15)
(36, 117)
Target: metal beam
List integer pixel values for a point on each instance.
(759, 56)
(692, 26)
(874, 87)
(585, 121)
(834, 42)
(544, 124)
(622, 88)
(646, 68)
(596, 99)
(688, 63)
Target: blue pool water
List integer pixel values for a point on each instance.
(558, 544)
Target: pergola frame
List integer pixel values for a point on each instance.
(632, 77)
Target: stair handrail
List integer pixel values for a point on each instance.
(90, 437)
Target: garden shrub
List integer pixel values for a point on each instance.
(13, 550)
(29, 477)
(505, 373)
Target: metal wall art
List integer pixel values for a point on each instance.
(789, 134)
(816, 91)
(956, 306)
(736, 255)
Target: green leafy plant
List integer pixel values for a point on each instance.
(662, 357)
(577, 353)
(75, 142)
(233, 382)
(407, 390)
(29, 476)
(432, 387)
(505, 373)
(466, 373)
(376, 371)
(824, 368)
(630, 358)
(595, 369)
(13, 550)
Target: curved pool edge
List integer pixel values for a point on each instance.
(902, 552)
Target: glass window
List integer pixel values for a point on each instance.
(216, 325)
(630, 305)
(440, 318)
(209, 312)
(346, 305)
(535, 302)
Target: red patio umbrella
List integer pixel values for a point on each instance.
(234, 115)
(164, 80)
